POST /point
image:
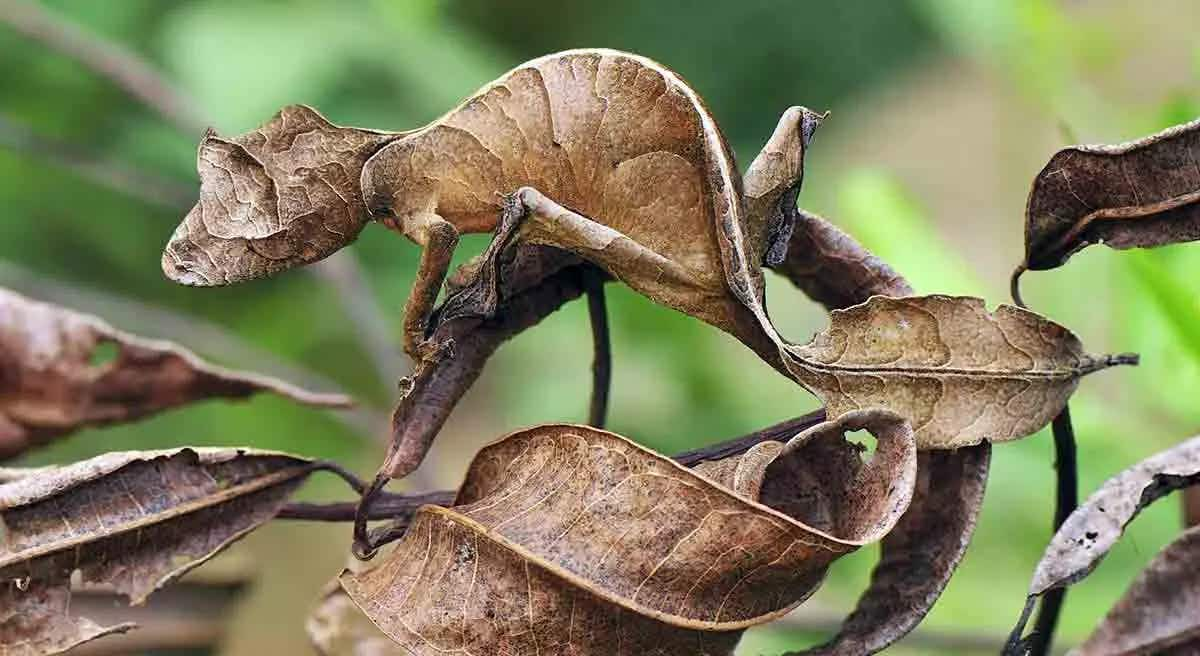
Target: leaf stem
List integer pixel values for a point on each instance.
(1014, 285)
(1066, 500)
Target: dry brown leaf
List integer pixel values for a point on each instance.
(1158, 613)
(336, 627)
(833, 269)
(919, 555)
(283, 195)
(1094, 527)
(960, 374)
(570, 537)
(134, 521)
(1139, 194)
(53, 382)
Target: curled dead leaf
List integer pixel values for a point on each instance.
(1139, 194)
(960, 374)
(282, 195)
(133, 521)
(1088, 534)
(586, 540)
(336, 627)
(919, 555)
(55, 376)
(1157, 614)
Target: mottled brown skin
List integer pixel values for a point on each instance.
(605, 150)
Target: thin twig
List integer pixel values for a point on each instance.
(376, 504)
(386, 506)
(781, 432)
(1066, 499)
(593, 281)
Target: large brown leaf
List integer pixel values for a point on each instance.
(132, 521)
(960, 374)
(919, 555)
(336, 627)
(570, 537)
(52, 382)
(282, 195)
(1158, 613)
(1139, 194)
(1087, 535)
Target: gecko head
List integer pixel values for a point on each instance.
(382, 182)
(281, 196)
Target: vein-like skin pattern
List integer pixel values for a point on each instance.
(612, 136)
(571, 540)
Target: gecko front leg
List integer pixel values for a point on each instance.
(437, 238)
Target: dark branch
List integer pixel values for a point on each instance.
(1066, 500)
(593, 282)
(386, 506)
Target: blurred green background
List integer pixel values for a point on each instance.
(943, 111)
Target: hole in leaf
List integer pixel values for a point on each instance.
(103, 353)
(865, 442)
